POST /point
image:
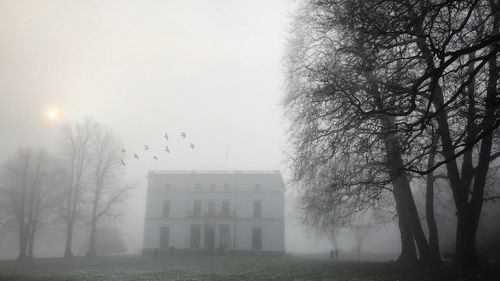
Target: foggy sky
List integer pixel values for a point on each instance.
(211, 68)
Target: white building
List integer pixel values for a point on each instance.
(234, 210)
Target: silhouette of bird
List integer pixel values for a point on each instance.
(136, 156)
(166, 136)
(183, 135)
(166, 149)
(191, 146)
(123, 162)
(146, 147)
(155, 157)
(124, 150)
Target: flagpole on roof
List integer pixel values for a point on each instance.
(227, 155)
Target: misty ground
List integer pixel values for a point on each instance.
(220, 268)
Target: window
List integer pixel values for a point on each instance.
(167, 186)
(212, 186)
(226, 186)
(257, 212)
(224, 235)
(257, 238)
(166, 209)
(164, 236)
(197, 208)
(225, 209)
(257, 186)
(211, 208)
(198, 186)
(195, 235)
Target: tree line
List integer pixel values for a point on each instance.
(80, 182)
(385, 95)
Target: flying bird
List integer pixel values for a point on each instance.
(191, 146)
(136, 156)
(155, 157)
(146, 147)
(123, 162)
(166, 149)
(166, 136)
(124, 150)
(183, 135)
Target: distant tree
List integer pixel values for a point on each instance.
(365, 222)
(332, 235)
(109, 241)
(76, 147)
(106, 193)
(27, 190)
(327, 208)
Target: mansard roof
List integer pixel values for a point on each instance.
(216, 179)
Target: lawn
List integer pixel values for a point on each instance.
(226, 267)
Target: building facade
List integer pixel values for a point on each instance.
(230, 210)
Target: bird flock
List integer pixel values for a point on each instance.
(147, 148)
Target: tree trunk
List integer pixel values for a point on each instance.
(91, 252)
(409, 214)
(68, 253)
(408, 250)
(465, 242)
(407, 211)
(31, 241)
(429, 211)
(21, 212)
(95, 203)
(358, 247)
(22, 241)
(409, 221)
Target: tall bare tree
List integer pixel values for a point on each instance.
(381, 74)
(77, 141)
(331, 89)
(361, 227)
(106, 192)
(28, 185)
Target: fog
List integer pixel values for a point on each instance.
(212, 69)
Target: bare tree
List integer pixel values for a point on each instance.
(361, 230)
(429, 208)
(106, 193)
(28, 181)
(109, 240)
(332, 233)
(76, 150)
(386, 72)
(334, 101)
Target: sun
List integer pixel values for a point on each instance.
(52, 114)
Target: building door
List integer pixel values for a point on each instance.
(256, 238)
(195, 235)
(164, 236)
(209, 237)
(224, 236)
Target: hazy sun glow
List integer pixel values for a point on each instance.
(52, 114)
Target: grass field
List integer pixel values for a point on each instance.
(218, 268)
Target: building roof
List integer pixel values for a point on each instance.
(215, 172)
(236, 179)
